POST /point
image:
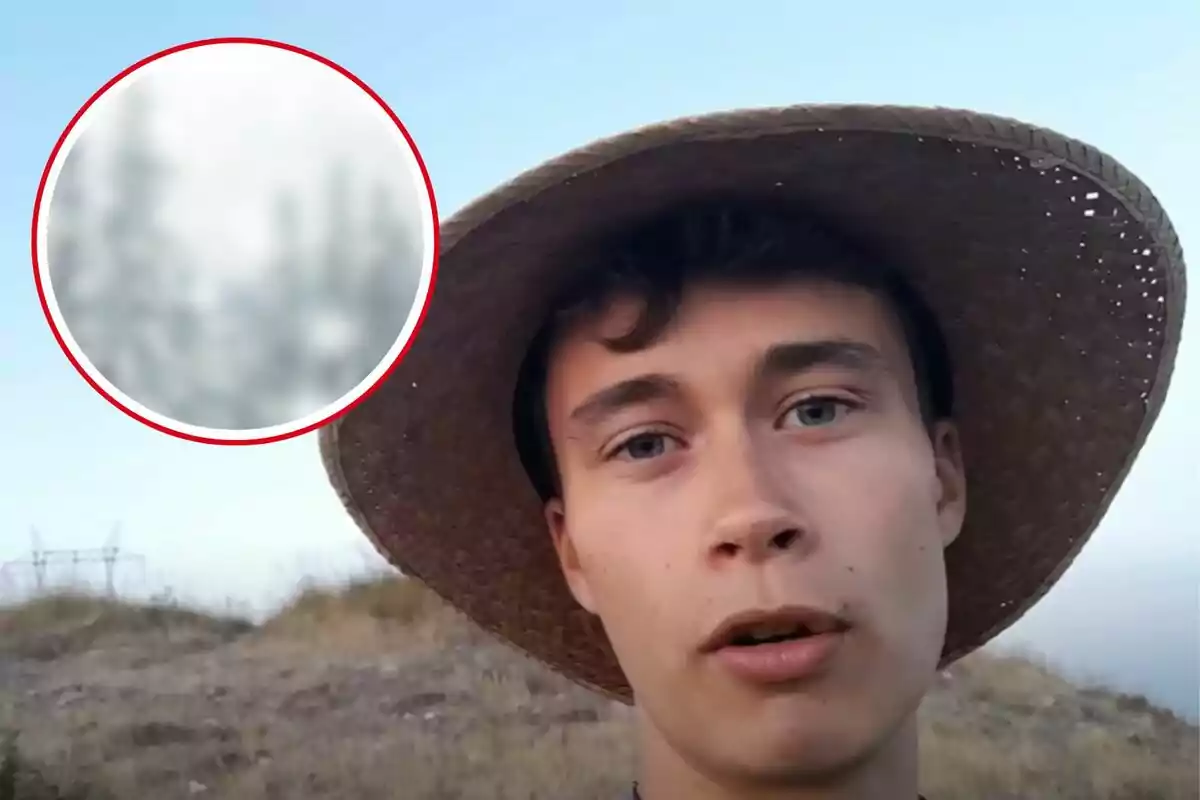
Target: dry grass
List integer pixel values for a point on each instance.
(71, 623)
(1010, 728)
(366, 614)
(377, 690)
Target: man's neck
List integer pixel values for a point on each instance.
(889, 774)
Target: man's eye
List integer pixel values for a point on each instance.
(644, 446)
(816, 412)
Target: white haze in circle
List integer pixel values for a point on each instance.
(265, 119)
(236, 126)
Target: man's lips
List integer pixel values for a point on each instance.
(759, 626)
(778, 646)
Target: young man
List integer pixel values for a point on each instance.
(812, 402)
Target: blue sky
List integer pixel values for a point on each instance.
(486, 93)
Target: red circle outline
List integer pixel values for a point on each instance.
(37, 204)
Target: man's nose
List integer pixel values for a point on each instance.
(753, 514)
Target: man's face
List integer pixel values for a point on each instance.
(767, 453)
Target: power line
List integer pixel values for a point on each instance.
(41, 559)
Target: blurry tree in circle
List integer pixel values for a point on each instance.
(116, 275)
(67, 236)
(277, 342)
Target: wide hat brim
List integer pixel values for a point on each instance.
(1055, 272)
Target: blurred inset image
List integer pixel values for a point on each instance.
(237, 238)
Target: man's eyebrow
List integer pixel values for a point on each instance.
(791, 358)
(612, 399)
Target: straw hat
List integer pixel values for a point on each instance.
(1055, 273)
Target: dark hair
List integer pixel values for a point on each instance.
(755, 244)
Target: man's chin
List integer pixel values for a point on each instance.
(807, 742)
(808, 761)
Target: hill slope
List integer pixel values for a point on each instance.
(378, 691)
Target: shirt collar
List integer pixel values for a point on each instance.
(634, 795)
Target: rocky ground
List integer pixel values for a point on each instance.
(378, 692)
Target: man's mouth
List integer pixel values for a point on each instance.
(763, 627)
(776, 647)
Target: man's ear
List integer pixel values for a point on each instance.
(951, 479)
(568, 555)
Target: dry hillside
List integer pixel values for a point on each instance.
(377, 691)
